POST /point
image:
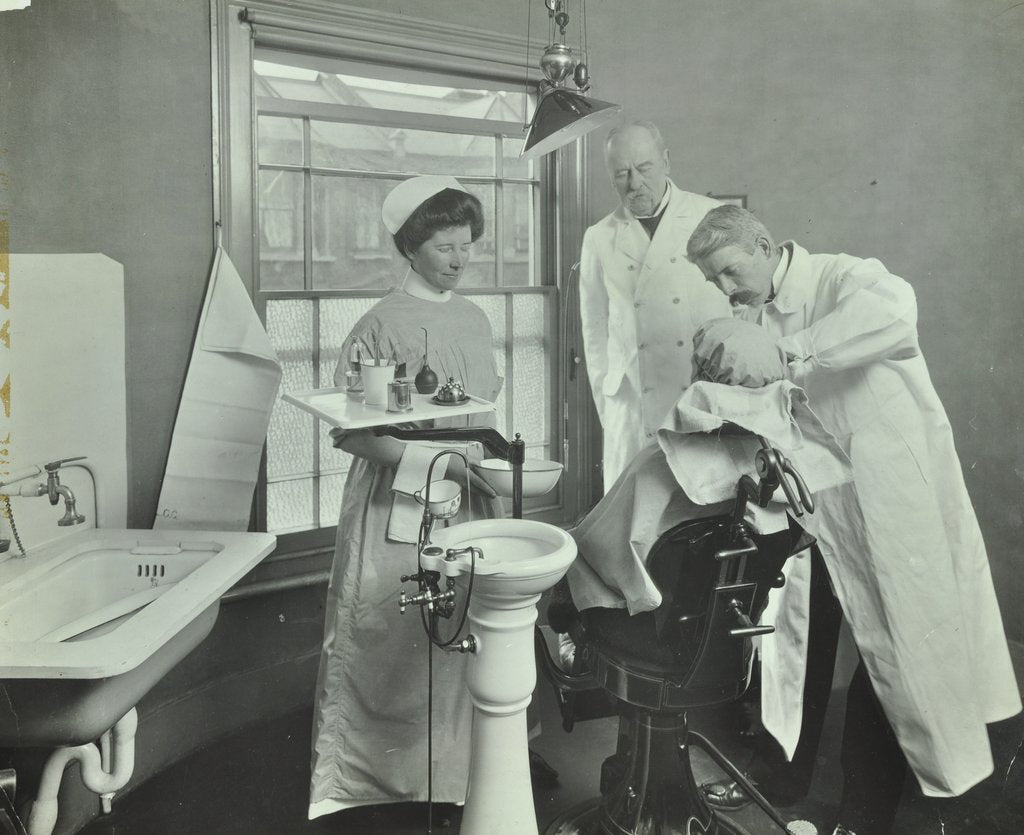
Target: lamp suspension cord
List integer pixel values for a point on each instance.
(583, 54)
(585, 47)
(526, 70)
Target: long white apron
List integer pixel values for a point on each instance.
(369, 729)
(370, 719)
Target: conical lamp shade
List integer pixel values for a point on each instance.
(563, 116)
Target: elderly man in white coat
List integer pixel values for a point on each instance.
(901, 544)
(641, 300)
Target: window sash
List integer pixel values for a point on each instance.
(323, 28)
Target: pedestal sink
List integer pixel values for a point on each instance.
(90, 623)
(513, 561)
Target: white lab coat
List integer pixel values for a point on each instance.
(901, 543)
(641, 301)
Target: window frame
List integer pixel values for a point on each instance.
(326, 29)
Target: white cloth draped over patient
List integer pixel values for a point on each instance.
(693, 473)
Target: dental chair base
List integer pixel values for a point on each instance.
(649, 668)
(647, 786)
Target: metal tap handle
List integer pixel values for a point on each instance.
(747, 628)
(53, 466)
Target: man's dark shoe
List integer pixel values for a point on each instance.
(725, 795)
(729, 796)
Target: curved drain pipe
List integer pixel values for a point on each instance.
(43, 816)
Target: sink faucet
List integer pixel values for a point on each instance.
(53, 489)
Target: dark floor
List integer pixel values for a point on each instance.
(256, 781)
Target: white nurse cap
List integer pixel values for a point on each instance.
(407, 196)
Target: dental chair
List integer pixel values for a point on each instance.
(694, 650)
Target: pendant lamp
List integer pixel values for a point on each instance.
(563, 115)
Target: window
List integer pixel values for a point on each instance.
(332, 135)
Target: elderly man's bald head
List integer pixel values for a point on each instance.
(638, 165)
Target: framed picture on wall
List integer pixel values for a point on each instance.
(731, 199)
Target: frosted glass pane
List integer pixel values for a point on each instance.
(494, 307)
(531, 371)
(290, 436)
(337, 318)
(289, 505)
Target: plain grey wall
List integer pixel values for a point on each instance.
(866, 126)
(105, 116)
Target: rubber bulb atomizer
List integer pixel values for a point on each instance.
(426, 379)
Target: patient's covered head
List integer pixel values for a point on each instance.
(737, 353)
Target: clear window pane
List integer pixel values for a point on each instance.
(351, 248)
(279, 140)
(292, 82)
(482, 270)
(281, 230)
(405, 150)
(518, 246)
(512, 166)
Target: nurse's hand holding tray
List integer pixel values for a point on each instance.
(365, 704)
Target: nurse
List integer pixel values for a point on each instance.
(900, 546)
(370, 722)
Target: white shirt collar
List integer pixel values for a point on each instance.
(780, 270)
(416, 286)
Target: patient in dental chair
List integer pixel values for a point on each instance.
(739, 381)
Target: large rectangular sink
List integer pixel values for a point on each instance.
(90, 623)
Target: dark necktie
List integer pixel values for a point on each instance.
(650, 224)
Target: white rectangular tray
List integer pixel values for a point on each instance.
(339, 408)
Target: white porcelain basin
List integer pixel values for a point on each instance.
(539, 476)
(89, 623)
(518, 556)
(99, 602)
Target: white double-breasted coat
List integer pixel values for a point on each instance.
(641, 301)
